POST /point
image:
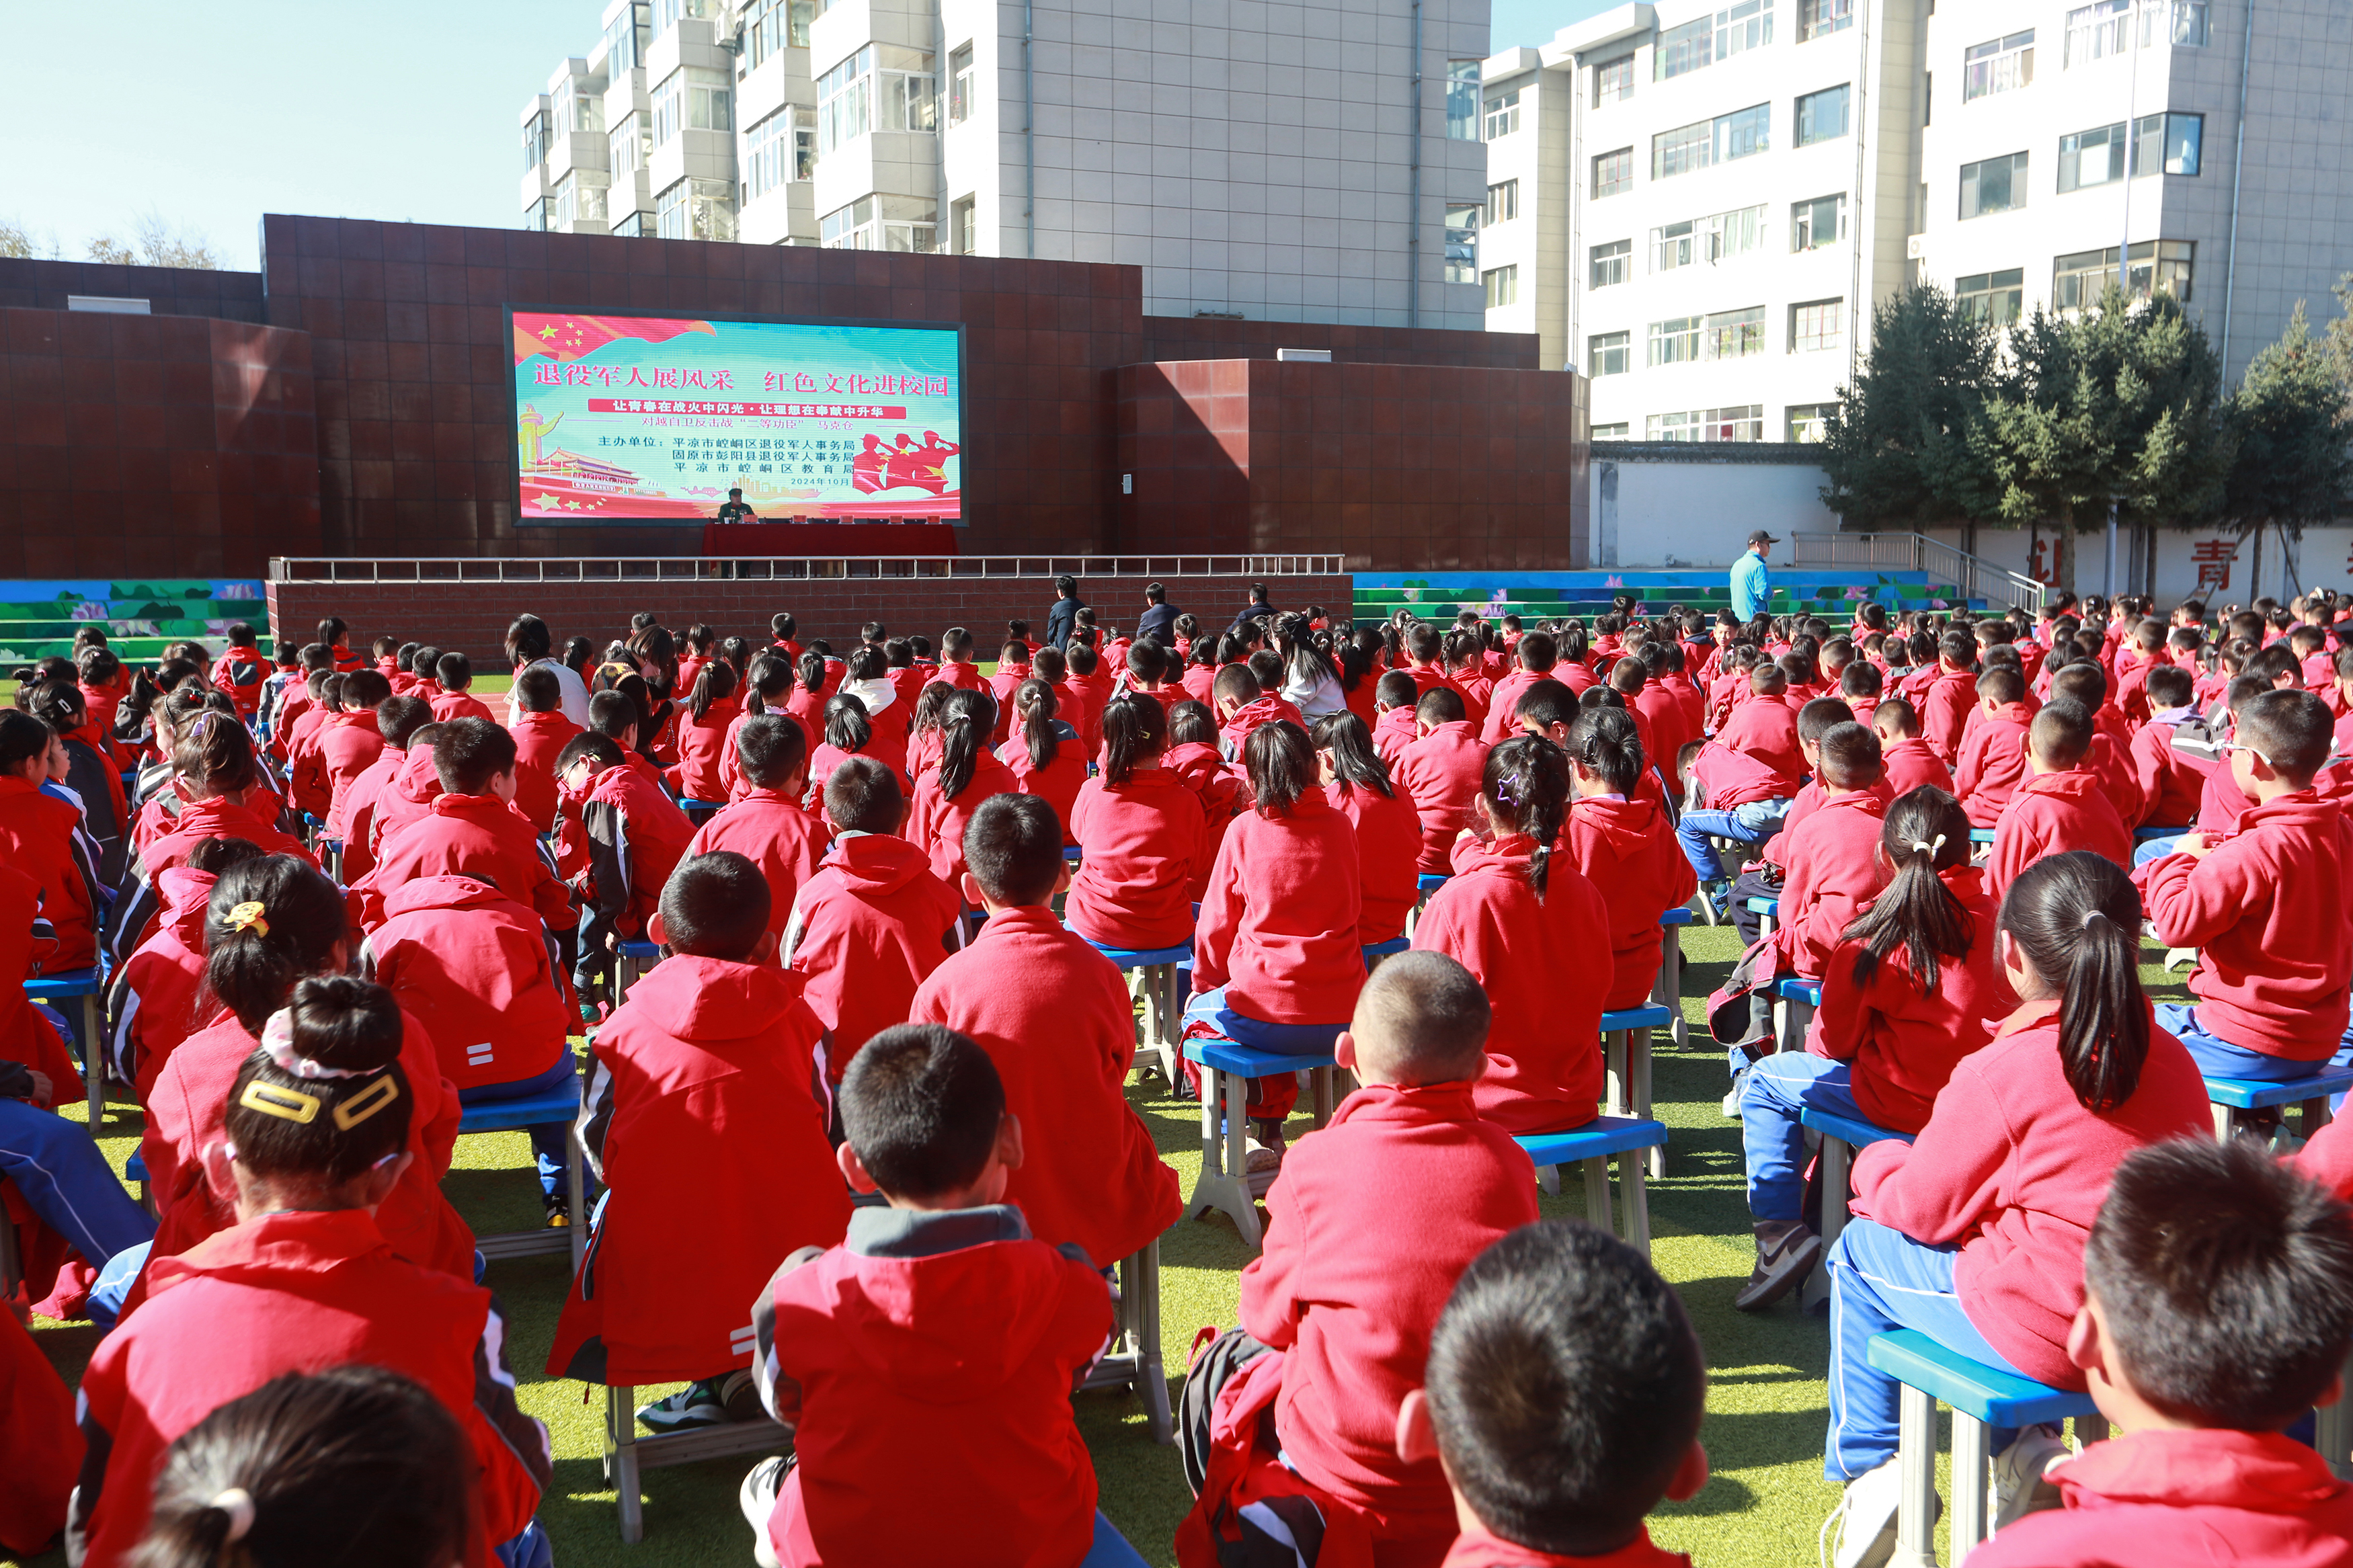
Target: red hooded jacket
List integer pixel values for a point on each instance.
(1500, 724)
(1056, 1018)
(773, 832)
(38, 837)
(867, 929)
(154, 997)
(1910, 764)
(1264, 710)
(1832, 874)
(134, 919)
(1630, 849)
(540, 739)
(1369, 1225)
(448, 705)
(701, 1115)
(40, 1448)
(2110, 762)
(345, 747)
(1142, 842)
(240, 672)
(1545, 968)
(1058, 783)
(1223, 791)
(357, 807)
(1278, 927)
(2013, 1168)
(2049, 814)
(1765, 728)
(1442, 773)
(1393, 731)
(1388, 856)
(2171, 783)
(2267, 909)
(1993, 763)
(635, 837)
(937, 826)
(480, 973)
(477, 836)
(1475, 1548)
(703, 746)
(1945, 710)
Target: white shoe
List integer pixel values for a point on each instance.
(1860, 1532)
(757, 1498)
(2018, 1487)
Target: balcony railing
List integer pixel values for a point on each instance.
(1973, 576)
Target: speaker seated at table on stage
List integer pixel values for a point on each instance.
(735, 508)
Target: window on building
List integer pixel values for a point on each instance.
(1735, 29)
(1817, 19)
(534, 216)
(882, 86)
(637, 225)
(1682, 48)
(579, 197)
(1707, 143)
(1503, 286)
(1609, 353)
(878, 223)
(2077, 281)
(1822, 116)
(772, 26)
(1809, 422)
(1610, 264)
(1740, 423)
(1610, 432)
(631, 143)
(668, 14)
(1819, 224)
(1717, 237)
(1463, 101)
(1993, 185)
(1997, 299)
(1503, 202)
(1998, 64)
(1502, 114)
(692, 98)
(2098, 30)
(626, 38)
(1733, 334)
(1613, 172)
(587, 112)
(2166, 143)
(779, 150)
(1816, 325)
(697, 209)
(964, 226)
(536, 140)
(1461, 245)
(1613, 80)
(2093, 157)
(960, 85)
(2188, 23)
(1676, 340)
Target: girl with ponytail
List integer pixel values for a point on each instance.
(1620, 837)
(314, 1143)
(1142, 834)
(1276, 959)
(813, 681)
(968, 774)
(1389, 830)
(1974, 1233)
(1044, 752)
(1525, 922)
(869, 679)
(928, 732)
(712, 708)
(272, 924)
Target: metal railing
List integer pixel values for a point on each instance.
(469, 569)
(1973, 576)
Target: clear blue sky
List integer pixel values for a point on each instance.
(211, 115)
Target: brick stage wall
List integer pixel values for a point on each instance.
(473, 617)
(152, 446)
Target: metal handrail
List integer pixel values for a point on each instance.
(466, 569)
(1975, 577)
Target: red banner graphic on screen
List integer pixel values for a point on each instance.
(756, 410)
(566, 337)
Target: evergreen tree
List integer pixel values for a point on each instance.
(2293, 426)
(1896, 447)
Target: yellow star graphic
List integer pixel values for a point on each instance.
(548, 331)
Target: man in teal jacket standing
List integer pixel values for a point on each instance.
(1751, 582)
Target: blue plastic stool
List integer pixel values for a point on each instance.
(1669, 992)
(1225, 1181)
(1591, 1146)
(635, 958)
(1625, 1066)
(134, 1171)
(86, 984)
(1794, 1001)
(331, 858)
(1980, 1396)
(1980, 835)
(1376, 952)
(1151, 975)
(1110, 1549)
(1841, 1137)
(1426, 884)
(512, 1116)
(2232, 1095)
(2143, 835)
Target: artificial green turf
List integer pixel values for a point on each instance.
(1766, 1398)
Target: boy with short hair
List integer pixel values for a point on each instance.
(873, 922)
(471, 830)
(1993, 757)
(1394, 697)
(1580, 1320)
(1537, 653)
(1946, 701)
(2170, 783)
(703, 1117)
(540, 729)
(1830, 868)
(348, 742)
(2109, 758)
(1907, 757)
(455, 672)
(1441, 771)
(241, 670)
(630, 836)
(2266, 907)
(2061, 806)
(769, 826)
(1055, 1017)
(1243, 703)
(2218, 1310)
(1373, 1221)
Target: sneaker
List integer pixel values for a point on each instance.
(709, 1402)
(1732, 1100)
(1785, 1253)
(757, 1498)
(1860, 1532)
(559, 1211)
(2019, 1488)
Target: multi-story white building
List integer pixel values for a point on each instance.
(1283, 159)
(1742, 180)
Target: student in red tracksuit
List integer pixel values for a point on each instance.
(1906, 993)
(1222, 787)
(1624, 843)
(302, 696)
(1946, 701)
(272, 922)
(1765, 727)
(241, 670)
(940, 1324)
(630, 838)
(2144, 652)
(887, 712)
(1388, 829)
(1828, 858)
(1373, 1221)
(455, 674)
(1012, 669)
(1142, 834)
(873, 922)
(484, 978)
(306, 780)
(769, 827)
(1560, 1305)
(1662, 712)
(1440, 772)
(317, 1131)
(705, 1117)
(1045, 755)
(1537, 655)
(2170, 784)
(40, 836)
(1243, 703)
(540, 729)
(2060, 806)
(769, 687)
(1082, 697)
(2215, 1314)
(703, 730)
(947, 795)
(41, 1449)
(2266, 907)
(956, 667)
(1974, 1233)
(471, 830)
(1525, 920)
(348, 743)
(1276, 963)
(1909, 763)
(1993, 758)
(156, 999)
(2109, 758)
(1055, 1017)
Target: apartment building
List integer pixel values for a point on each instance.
(1284, 159)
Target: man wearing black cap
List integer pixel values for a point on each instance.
(1752, 583)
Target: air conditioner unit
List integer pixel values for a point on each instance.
(1915, 248)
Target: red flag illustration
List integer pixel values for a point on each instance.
(567, 337)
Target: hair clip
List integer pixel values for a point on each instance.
(2095, 912)
(246, 916)
(1927, 848)
(237, 1503)
(286, 1104)
(278, 1041)
(367, 1103)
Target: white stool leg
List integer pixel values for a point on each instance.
(1636, 1199)
(1151, 1377)
(576, 1185)
(2333, 1432)
(1549, 1179)
(622, 1414)
(1835, 1155)
(1614, 1073)
(1668, 992)
(93, 1062)
(1596, 1194)
(1637, 1077)
(1915, 1451)
(1970, 1460)
(2221, 1121)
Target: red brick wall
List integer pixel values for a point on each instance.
(473, 617)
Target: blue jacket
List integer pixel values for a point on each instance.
(1752, 586)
